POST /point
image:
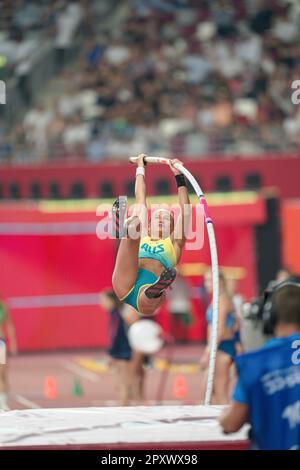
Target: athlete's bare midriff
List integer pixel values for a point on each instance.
(152, 265)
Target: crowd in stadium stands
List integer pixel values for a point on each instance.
(25, 25)
(180, 77)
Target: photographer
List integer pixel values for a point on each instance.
(267, 393)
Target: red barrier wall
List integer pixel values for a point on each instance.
(282, 172)
(39, 269)
(53, 267)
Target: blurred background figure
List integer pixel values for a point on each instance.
(139, 361)
(145, 341)
(6, 323)
(238, 301)
(227, 330)
(283, 274)
(120, 350)
(180, 308)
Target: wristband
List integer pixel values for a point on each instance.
(180, 180)
(140, 171)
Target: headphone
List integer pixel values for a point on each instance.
(267, 312)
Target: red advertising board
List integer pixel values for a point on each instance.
(291, 234)
(53, 267)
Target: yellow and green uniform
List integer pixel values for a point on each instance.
(163, 251)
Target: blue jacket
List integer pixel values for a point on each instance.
(269, 383)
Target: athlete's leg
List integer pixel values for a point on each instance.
(222, 379)
(3, 387)
(3, 380)
(122, 373)
(151, 297)
(137, 377)
(148, 306)
(126, 265)
(204, 363)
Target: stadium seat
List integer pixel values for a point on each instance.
(162, 187)
(223, 184)
(129, 188)
(35, 191)
(252, 181)
(14, 191)
(54, 190)
(106, 189)
(77, 191)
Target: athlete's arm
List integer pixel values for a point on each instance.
(140, 185)
(183, 221)
(234, 417)
(140, 207)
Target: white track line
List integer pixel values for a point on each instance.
(48, 228)
(24, 401)
(50, 301)
(78, 370)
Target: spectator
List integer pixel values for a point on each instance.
(76, 134)
(36, 124)
(67, 23)
(68, 104)
(215, 78)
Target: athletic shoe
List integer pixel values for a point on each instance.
(163, 282)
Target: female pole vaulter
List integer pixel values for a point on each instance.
(146, 259)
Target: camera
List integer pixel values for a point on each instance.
(261, 310)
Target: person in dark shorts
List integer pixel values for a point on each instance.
(119, 350)
(227, 340)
